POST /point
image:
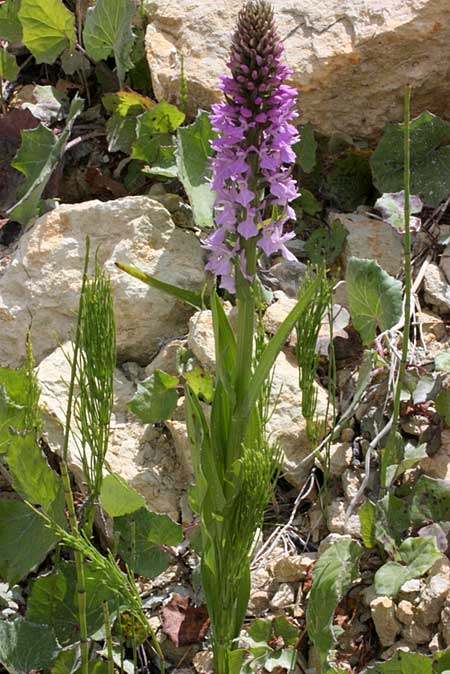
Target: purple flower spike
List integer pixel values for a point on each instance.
(251, 168)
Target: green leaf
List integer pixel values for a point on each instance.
(48, 28)
(8, 65)
(285, 659)
(374, 297)
(53, 601)
(25, 646)
(108, 31)
(37, 157)
(306, 148)
(392, 519)
(201, 382)
(430, 500)
(24, 540)
(156, 398)
(124, 106)
(194, 299)
(391, 457)
(442, 362)
(403, 663)
(333, 573)
(65, 662)
(430, 158)
(193, 155)
(154, 143)
(32, 477)
(143, 554)
(367, 519)
(349, 180)
(282, 627)
(10, 26)
(326, 242)
(417, 556)
(260, 630)
(443, 405)
(118, 498)
(308, 202)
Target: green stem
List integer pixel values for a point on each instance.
(407, 256)
(108, 637)
(79, 562)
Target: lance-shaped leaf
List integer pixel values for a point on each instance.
(374, 297)
(36, 159)
(107, 32)
(193, 154)
(48, 28)
(196, 300)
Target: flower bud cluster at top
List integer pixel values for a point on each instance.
(251, 167)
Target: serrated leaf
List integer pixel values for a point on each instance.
(10, 26)
(144, 554)
(374, 297)
(48, 28)
(430, 158)
(155, 398)
(417, 556)
(51, 105)
(201, 382)
(53, 601)
(108, 31)
(118, 498)
(333, 573)
(8, 65)
(24, 540)
(25, 646)
(36, 159)
(194, 153)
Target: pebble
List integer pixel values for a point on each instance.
(293, 568)
(383, 616)
(405, 612)
(284, 597)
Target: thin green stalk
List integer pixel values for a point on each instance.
(79, 562)
(108, 637)
(407, 255)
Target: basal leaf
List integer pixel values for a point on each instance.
(48, 28)
(154, 143)
(430, 158)
(416, 556)
(194, 153)
(108, 32)
(53, 601)
(334, 571)
(144, 554)
(118, 498)
(8, 65)
(25, 646)
(443, 405)
(24, 540)
(36, 159)
(156, 398)
(374, 297)
(10, 26)
(430, 500)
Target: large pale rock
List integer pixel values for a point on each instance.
(140, 454)
(350, 58)
(40, 288)
(286, 425)
(371, 239)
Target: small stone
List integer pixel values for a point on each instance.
(8, 613)
(293, 568)
(435, 643)
(441, 567)
(416, 633)
(166, 358)
(203, 662)
(277, 312)
(337, 520)
(433, 327)
(437, 290)
(445, 624)
(347, 435)
(405, 612)
(340, 457)
(351, 483)
(259, 603)
(437, 590)
(411, 586)
(283, 597)
(132, 371)
(383, 616)
(330, 540)
(402, 645)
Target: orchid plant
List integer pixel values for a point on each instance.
(234, 464)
